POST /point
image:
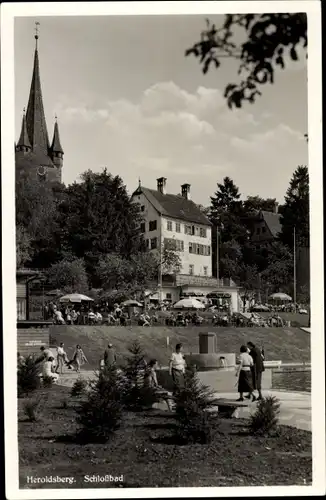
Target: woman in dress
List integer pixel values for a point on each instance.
(245, 383)
(79, 358)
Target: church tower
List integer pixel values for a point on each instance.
(33, 152)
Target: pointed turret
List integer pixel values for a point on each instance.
(56, 144)
(56, 150)
(24, 142)
(35, 117)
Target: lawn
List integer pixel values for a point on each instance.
(144, 453)
(285, 344)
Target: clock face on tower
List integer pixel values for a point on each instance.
(41, 171)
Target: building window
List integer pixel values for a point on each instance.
(142, 208)
(263, 229)
(177, 227)
(169, 296)
(153, 243)
(187, 229)
(192, 230)
(205, 270)
(180, 245)
(142, 227)
(152, 225)
(258, 230)
(21, 309)
(191, 269)
(203, 232)
(169, 226)
(147, 243)
(190, 247)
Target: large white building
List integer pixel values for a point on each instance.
(175, 220)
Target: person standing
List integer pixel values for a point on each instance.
(62, 357)
(79, 358)
(110, 357)
(177, 368)
(150, 377)
(258, 367)
(244, 372)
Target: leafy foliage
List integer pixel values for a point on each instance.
(79, 387)
(23, 246)
(33, 409)
(28, 379)
(295, 211)
(265, 419)
(100, 415)
(68, 275)
(269, 40)
(194, 423)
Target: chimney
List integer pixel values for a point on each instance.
(275, 208)
(161, 185)
(185, 191)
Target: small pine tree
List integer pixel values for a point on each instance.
(265, 419)
(33, 408)
(136, 395)
(100, 415)
(191, 405)
(28, 379)
(79, 387)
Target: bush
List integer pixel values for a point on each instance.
(265, 419)
(33, 408)
(194, 422)
(101, 414)
(79, 387)
(136, 396)
(28, 379)
(47, 381)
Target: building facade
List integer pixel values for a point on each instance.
(175, 221)
(34, 154)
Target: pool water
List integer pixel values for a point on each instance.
(299, 381)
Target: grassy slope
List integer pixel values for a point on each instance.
(286, 344)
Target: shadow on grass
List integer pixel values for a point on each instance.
(171, 440)
(167, 425)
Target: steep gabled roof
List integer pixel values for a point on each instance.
(272, 220)
(174, 206)
(35, 117)
(23, 139)
(56, 145)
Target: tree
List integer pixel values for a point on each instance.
(99, 218)
(295, 211)
(37, 217)
(129, 276)
(171, 261)
(268, 40)
(68, 275)
(23, 246)
(256, 203)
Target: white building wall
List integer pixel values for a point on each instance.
(198, 261)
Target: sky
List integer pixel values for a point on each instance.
(128, 99)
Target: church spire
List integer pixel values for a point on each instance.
(35, 117)
(24, 141)
(56, 144)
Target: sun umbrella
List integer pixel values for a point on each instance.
(280, 296)
(131, 303)
(188, 304)
(76, 298)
